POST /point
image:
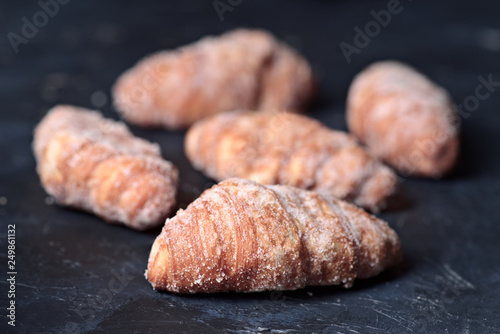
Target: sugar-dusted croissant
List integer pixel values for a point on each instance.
(404, 119)
(285, 148)
(243, 236)
(242, 69)
(95, 164)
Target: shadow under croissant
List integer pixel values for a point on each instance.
(472, 156)
(399, 201)
(307, 292)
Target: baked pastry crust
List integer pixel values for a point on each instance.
(286, 148)
(95, 164)
(243, 236)
(404, 119)
(242, 69)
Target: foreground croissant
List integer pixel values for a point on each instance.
(242, 69)
(242, 236)
(404, 119)
(95, 164)
(284, 148)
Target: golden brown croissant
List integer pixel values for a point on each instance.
(242, 236)
(95, 164)
(242, 69)
(404, 119)
(284, 148)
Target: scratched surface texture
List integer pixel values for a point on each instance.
(77, 274)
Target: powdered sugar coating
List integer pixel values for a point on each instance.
(404, 119)
(96, 164)
(285, 148)
(243, 69)
(242, 236)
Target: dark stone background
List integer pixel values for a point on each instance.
(68, 261)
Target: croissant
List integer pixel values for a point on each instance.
(242, 69)
(95, 164)
(285, 148)
(404, 119)
(243, 236)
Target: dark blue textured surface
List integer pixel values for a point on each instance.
(77, 274)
